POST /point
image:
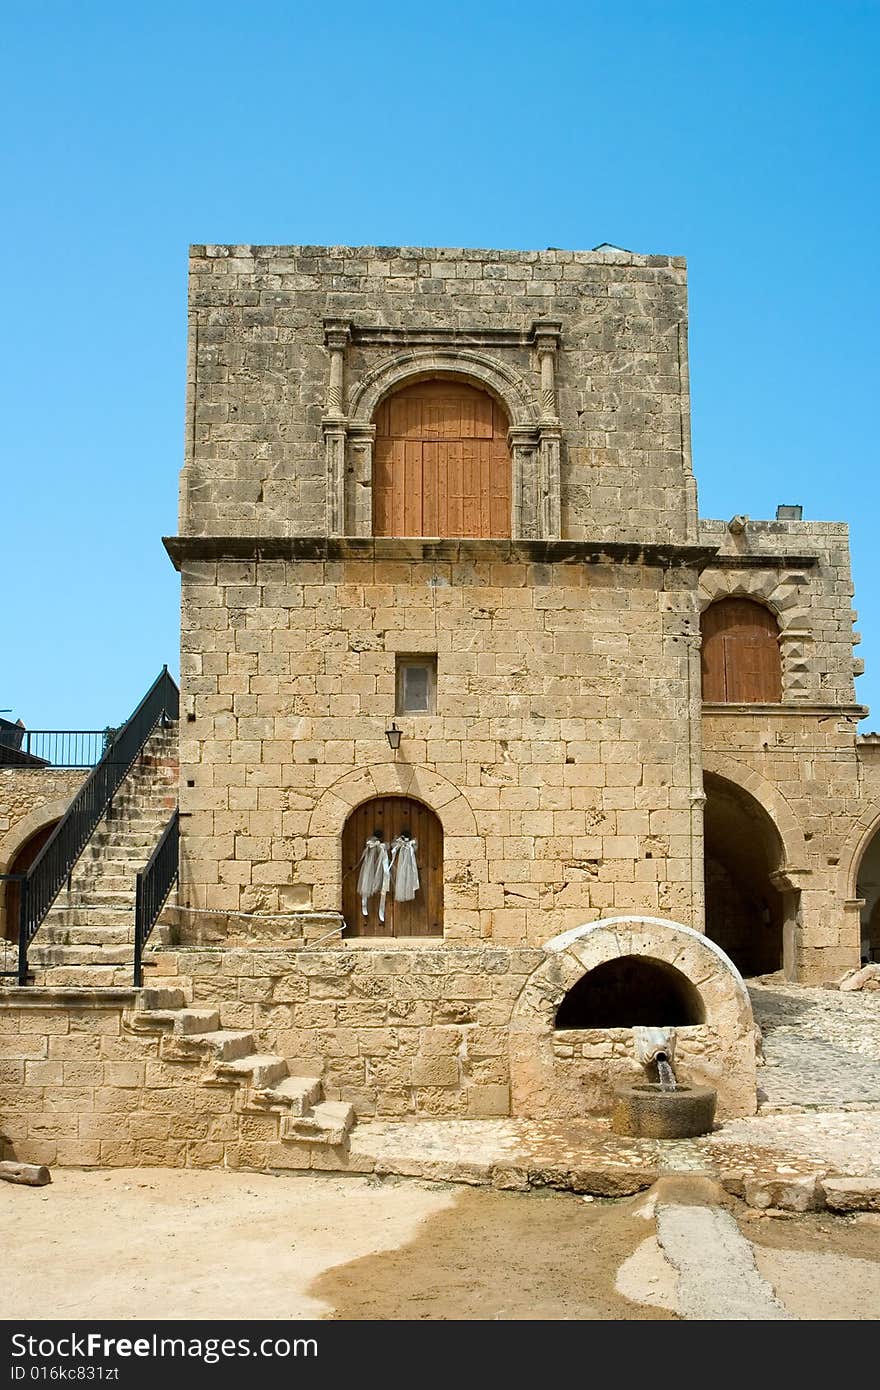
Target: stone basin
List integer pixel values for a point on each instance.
(646, 1111)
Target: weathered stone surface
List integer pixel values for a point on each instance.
(852, 1193)
(795, 1193)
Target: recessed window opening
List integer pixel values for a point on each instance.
(416, 685)
(629, 992)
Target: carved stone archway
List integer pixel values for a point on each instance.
(535, 436)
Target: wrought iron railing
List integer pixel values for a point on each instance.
(154, 883)
(56, 747)
(56, 859)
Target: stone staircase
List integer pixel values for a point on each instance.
(314, 1131)
(87, 937)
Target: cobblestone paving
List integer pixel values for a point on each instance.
(822, 1048)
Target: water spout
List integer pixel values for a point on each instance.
(655, 1049)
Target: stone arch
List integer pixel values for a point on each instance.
(549, 1079)
(28, 826)
(857, 842)
(860, 908)
(324, 866)
(477, 368)
(534, 439)
(17, 839)
(336, 803)
(771, 800)
(776, 592)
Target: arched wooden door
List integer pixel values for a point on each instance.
(740, 653)
(391, 816)
(441, 464)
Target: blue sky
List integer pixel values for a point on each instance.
(743, 136)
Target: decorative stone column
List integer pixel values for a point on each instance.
(337, 333)
(549, 501)
(523, 443)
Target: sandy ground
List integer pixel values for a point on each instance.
(148, 1243)
(161, 1243)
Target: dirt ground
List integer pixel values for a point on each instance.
(160, 1243)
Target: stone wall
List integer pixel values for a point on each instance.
(563, 760)
(290, 348)
(422, 1030)
(79, 1088)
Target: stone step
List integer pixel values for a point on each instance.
(110, 954)
(160, 997)
(297, 1094)
(84, 977)
(226, 1044)
(261, 1069)
(83, 898)
(50, 935)
(329, 1122)
(96, 917)
(180, 1022)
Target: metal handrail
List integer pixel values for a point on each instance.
(56, 859)
(55, 747)
(154, 883)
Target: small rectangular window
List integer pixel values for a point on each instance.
(416, 685)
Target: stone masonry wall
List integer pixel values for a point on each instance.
(79, 1089)
(561, 761)
(259, 374)
(25, 790)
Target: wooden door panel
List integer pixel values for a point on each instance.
(441, 463)
(423, 916)
(740, 656)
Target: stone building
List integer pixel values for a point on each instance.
(443, 580)
(475, 467)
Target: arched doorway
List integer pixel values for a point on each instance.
(389, 817)
(868, 888)
(740, 656)
(746, 912)
(441, 464)
(10, 899)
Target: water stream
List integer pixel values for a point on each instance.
(665, 1074)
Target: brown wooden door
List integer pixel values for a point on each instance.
(441, 463)
(740, 653)
(391, 815)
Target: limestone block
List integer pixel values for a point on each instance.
(852, 1193)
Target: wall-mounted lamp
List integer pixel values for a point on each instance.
(393, 736)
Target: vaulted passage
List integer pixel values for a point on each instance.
(386, 818)
(628, 992)
(869, 889)
(740, 653)
(745, 910)
(441, 463)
